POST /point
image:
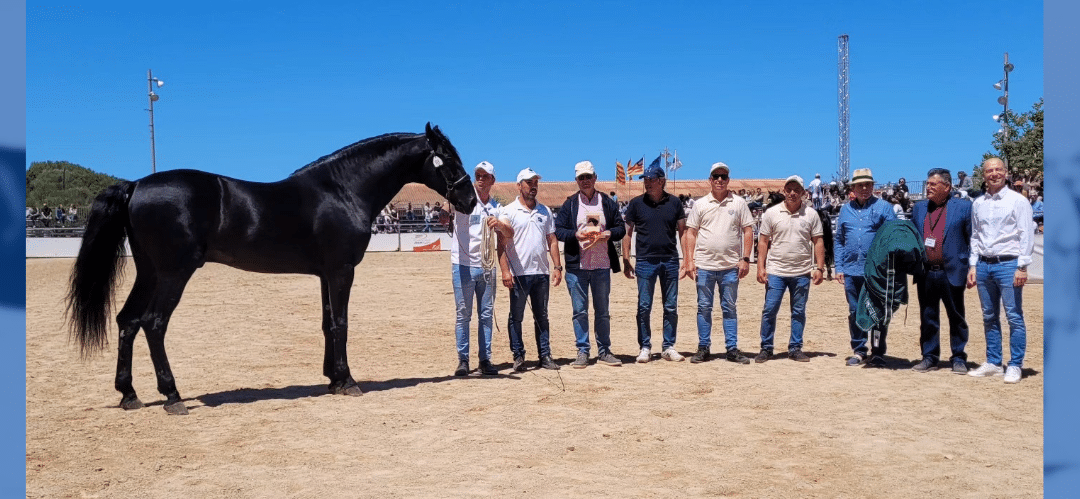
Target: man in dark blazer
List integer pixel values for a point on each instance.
(943, 223)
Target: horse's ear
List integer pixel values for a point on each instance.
(433, 136)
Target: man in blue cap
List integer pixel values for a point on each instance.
(654, 217)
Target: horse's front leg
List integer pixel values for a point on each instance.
(335, 296)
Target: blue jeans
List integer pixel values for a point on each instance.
(933, 291)
(533, 288)
(469, 282)
(995, 282)
(648, 271)
(578, 283)
(728, 283)
(799, 290)
(853, 285)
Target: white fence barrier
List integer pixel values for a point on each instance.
(68, 247)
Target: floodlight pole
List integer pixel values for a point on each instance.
(151, 96)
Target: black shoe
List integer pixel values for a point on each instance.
(462, 368)
(701, 355)
(876, 361)
(486, 367)
(519, 363)
(959, 366)
(798, 356)
(734, 355)
(763, 356)
(855, 360)
(548, 363)
(924, 366)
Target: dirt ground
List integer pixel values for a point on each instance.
(246, 350)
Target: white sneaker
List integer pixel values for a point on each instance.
(643, 357)
(672, 355)
(1012, 374)
(986, 369)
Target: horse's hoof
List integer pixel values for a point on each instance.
(131, 404)
(346, 389)
(176, 409)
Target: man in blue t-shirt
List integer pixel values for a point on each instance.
(654, 217)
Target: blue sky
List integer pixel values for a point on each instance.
(257, 92)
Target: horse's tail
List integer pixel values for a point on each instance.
(100, 261)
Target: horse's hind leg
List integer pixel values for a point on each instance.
(165, 299)
(128, 321)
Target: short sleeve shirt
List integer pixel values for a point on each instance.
(528, 254)
(720, 226)
(468, 228)
(791, 236)
(656, 225)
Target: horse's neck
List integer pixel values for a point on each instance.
(378, 186)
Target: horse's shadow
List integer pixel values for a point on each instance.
(294, 392)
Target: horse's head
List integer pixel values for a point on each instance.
(444, 173)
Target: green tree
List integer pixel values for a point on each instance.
(1023, 148)
(60, 183)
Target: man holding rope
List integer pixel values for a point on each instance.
(472, 261)
(589, 224)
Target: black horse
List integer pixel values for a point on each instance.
(317, 221)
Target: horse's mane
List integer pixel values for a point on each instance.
(372, 146)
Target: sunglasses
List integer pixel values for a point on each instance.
(719, 176)
(587, 176)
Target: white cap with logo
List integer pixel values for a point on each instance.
(527, 174)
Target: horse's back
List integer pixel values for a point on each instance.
(184, 218)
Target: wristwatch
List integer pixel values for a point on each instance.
(559, 268)
(1022, 269)
(746, 259)
(820, 269)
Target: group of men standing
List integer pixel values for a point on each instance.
(988, 244)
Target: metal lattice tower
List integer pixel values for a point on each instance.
(842, 102)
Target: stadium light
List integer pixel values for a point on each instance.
(150, 81)
(1003, 85)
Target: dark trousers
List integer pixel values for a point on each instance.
(534, 290)
(933, 291)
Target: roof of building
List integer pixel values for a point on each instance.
(553, 194)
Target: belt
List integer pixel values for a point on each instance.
(935, 267)
(997, 259)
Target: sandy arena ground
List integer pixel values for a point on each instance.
(246, 350)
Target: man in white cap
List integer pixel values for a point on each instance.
(791, 255)
(655, 217)
(815, 191)
(856, 227)
(525, 268)
(717, 247)
(588, 224)
(469, 276)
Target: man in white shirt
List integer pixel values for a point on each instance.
(719, 240)
(815, 191)
(471, 276)
(791, 255)
(1002, 240)
(525, 267)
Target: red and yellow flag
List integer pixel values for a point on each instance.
(637, 169)
(620, 173)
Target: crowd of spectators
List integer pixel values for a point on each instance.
(52, 217)
(423, 218)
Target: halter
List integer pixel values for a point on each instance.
(438, 162)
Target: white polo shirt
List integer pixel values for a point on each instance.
(720, 226)
(465, 247)
(528, 254)
(791, 235)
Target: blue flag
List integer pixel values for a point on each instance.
(656, 162)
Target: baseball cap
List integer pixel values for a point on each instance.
(653, 171)
(794, 178)
(487, 167)
(584, 168)
(719, 166)
(527, 174)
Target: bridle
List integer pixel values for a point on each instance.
(437, 162)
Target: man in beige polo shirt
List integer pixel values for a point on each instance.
(718, 242)
(791, 254)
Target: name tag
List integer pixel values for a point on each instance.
(930, 242)
(474, 219)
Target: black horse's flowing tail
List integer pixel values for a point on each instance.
(97, 267)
